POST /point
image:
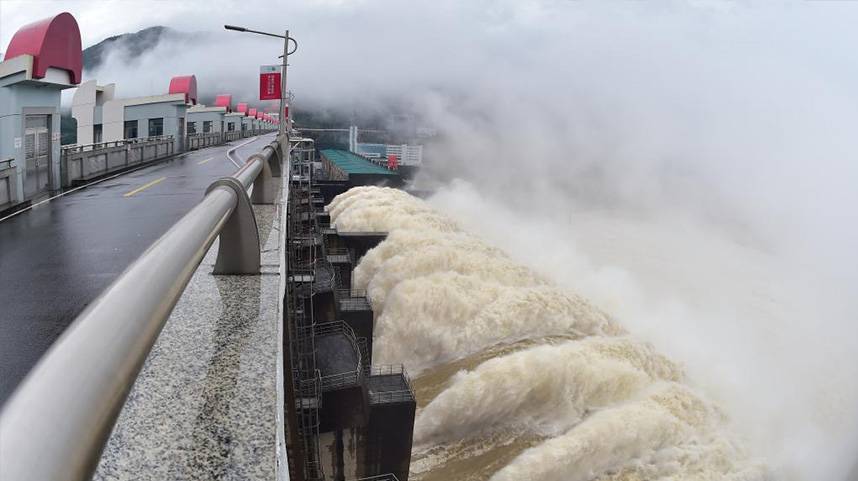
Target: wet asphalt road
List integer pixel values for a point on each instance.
(58, 257)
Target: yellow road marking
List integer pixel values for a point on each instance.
(144, 187)
(204, 161)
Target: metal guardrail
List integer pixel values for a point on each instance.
(384, 397)
(346, 293)
(343, 379)
(57, 422)
(353, 300)
(380, 477)
(85, 162)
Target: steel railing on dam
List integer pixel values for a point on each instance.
(55, 425)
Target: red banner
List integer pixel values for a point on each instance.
(269, 82)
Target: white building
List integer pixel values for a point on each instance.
(42, 59)
(87, 110)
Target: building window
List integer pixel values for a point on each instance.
(156, 127)
(130, 129)
(230, 127)
(192, 127)
(96, 134)
(207, 126)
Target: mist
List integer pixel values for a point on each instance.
(689, 168)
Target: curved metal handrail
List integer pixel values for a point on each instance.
(57, 422)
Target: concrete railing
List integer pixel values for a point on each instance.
(55, 425)
(231, 135)
(198, 141)
(80, 163)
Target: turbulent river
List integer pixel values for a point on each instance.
(515, 377)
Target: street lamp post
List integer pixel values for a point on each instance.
(286, 53)
(291, 414)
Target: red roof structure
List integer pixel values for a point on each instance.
(251, 113)
(242, 107)
(53, 42)
(224, 100)
(185, 84)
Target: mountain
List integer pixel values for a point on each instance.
(128, 45)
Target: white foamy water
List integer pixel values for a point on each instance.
(570, 397)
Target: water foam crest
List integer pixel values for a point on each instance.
(548, 388)
(576, 400)
(667, 433)
(408, 254)
(445, 315)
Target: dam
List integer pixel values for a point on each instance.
(347, 417)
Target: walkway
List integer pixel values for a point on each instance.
(59, 256)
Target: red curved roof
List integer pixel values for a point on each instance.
(251, 112)
(53, 42)
(259, 114)
(224, 100)
(185, 84)
(242, 107)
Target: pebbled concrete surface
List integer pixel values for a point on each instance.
(205, 403)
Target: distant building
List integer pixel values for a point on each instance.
(206, 120)
(232, 120)
(42, 59)
(87, 110)
(151, 116)
(403, 154)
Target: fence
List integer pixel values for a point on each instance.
(393, 396)
(349, 378)
(198, 141)
(84, 162)
(229, 136)
(57, 422)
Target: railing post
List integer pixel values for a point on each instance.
(238, 251)
(276, 161)
(264, 192)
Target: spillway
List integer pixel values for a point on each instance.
(516, 378)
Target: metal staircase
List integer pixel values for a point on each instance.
(301, 262)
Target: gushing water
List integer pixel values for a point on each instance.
(519, 379)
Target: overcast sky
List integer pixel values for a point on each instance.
(99, 19)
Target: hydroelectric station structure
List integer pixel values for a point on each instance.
(352, 419)
(183, 307)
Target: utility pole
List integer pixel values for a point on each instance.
(286, 39)
(282, 125)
